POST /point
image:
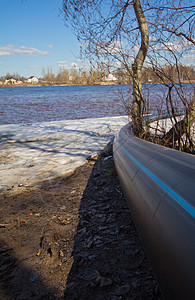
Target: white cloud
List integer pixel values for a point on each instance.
(178, 46)
(153, 39)
(85, 45)
(135, 48)
(74, 65)
(62, 64)
(192, 51)
(189, 58)
(49, 46)
(11, 50)
(33, 66)
(115, 47)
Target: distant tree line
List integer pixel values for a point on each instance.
(14, 75)
(167, 74)
(100, 74)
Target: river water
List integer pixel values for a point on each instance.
(53, 103)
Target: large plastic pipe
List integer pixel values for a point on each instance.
(159, 186)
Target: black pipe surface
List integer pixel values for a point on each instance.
(159, 186)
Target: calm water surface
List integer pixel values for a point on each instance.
(53, 103)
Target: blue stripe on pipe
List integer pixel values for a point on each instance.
(182, 202)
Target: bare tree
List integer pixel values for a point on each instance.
(102, 31)
(136, 111)
(62, 76)
(119, 32)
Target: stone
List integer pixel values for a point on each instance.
(122, 290)
(104, 281)
(90, 274)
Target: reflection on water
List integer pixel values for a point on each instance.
(53, 103)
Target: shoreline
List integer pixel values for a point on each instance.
(95, 84)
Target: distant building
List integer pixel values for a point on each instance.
(110, 77)
(10, 81)
(32, 79)
(71, 77)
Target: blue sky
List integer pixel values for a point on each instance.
(33, 36)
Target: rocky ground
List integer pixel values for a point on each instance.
(73, 239)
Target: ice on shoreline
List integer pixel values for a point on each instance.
(34, 153)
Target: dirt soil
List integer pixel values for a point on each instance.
(73, 239)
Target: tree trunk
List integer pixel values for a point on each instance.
(136, 110)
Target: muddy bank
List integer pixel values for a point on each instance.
(73, 239)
